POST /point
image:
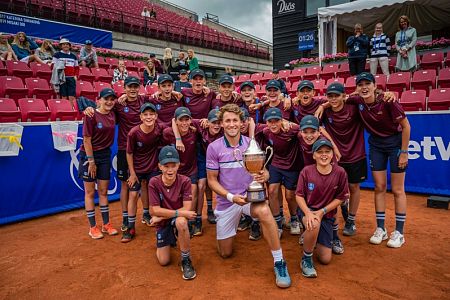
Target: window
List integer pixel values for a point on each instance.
(337, 2)
(313, 5)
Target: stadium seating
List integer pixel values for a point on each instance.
(284, 74)
(380, 80)
(343, 71)
(85, 74)
(38, 88)
(267, 76)
(260, 90)
(333, 80)
(256, 77)
(41, 70)
(130, 66)
(61, 110)
(350, 84)
(329, 71)
(392, 63)
(12, 87)
(444, 77)
(242, 78)
(413, 100)
(296, 75)
(398, 82)
(447, 60)
(101, 74)
(19, 69)
(33, 110)
(8, 111)
(439, 99)
(424, 80)
(312, 73)
(98, 86)
(3, 70)
(319, 86)
(432, 60)
(118, 88)
(84, 88)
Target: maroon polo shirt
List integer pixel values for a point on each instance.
(307, 150)
(347, 132)
(204, 136)
(145, 148)
(217, 103)
(166, 109)
(256, 114)
(128, 116)
(198, 104)
(319, 190)
(286, 114)
(101, 129)
(188, 158)
(379, 118)
(286, 155)
(303, 110)
(169, 197)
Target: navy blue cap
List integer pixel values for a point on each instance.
(309, 121)
(88, 42)
(305, 83)
(226, 79)
(196, 72)
(335, 88)
(321, 142)
(183, 71)
(246, 114)
(247, 83)
(212, 115)
(164, 77)
(365, 76)
(106, 92)
(146, 106)
(182, 112)
(275, 71)
(132, 80)
(273, 113)
(168, 154)
(273, 84)
(152, 55)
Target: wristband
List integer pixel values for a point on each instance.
(176, 213)
(87, 156)
(230, 197)
(324, 210)
(177, 139)
(400, 151)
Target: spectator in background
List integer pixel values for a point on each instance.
(358, 46)
(380, 46)
(157, 63)
(45, 52)
(153, 13)
(181, 61)
(6, 52)
(169, 64)
(70, 62)
(183, 82)
(149, 72)
(192, 60)
(23, 46)
(275, 76)
(405, 43)
(88, 56)
(145, 12)
(120, 73)
(229, 71)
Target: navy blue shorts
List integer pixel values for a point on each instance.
(102, 161)
(194, 178)
(201, 165)
(68, 88)
(122, 165)
(167, 235)
(356, 171)
(326, 232)
(287, 178)
(147, 176)
(383, 150)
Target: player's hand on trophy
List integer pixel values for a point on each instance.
(262, 176)
(239, 199)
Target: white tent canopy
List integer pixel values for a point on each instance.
(424, 15)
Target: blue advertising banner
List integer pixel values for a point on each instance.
(11, 23)
(429, 155)
(42, 180)
(306, 40)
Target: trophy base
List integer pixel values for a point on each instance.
(256, 196)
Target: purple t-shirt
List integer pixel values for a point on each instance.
(169, 197)
(100, 128)
(145, 148)
(188, 158)
(347, 132)
(319, 190)
(220, 156)
(302, 110)
(128, 116)
(198, 104)
(380, 118)
(166, 109)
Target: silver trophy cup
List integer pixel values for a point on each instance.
(254, 162)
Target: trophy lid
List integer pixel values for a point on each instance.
(253, 148)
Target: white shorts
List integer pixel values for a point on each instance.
(25, 59)
(227, 220)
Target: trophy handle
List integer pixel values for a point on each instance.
(270, 156)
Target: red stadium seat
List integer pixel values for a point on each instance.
(343, 71)
(130, 66)
(260, 90)
(112, 62)
(3, 70)
(424, 80)
(380, 80)
(102, 63)
(413, 100)
(19, 69)
(319, 86)
(350, 85)
(118, 88)
(8, 111)
(447, 60)
(268, 76)
(329, 71)
(135, 74)
(444, 78)
(61, 110)
(101, 75)
(41, 70)
(139, 64)
(439, 99)
(256, 77)
(242, 78)
(399, 82)
(312, 73)
(333, 80)
(12, 87)
(432, 60)
(99, 86)
(33, 110)
(84, 88)
(85, 74)
(284, 74)
(38, 88)
(151, 89)
(296, 75)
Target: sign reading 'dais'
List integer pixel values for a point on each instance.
(306, 40)
(11, 23)
(285, 6)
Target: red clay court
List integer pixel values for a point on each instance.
(54, 258)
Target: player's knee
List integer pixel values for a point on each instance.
(380, 187)
(263, 212)
(325, 258)
(164, 261)
(225, 253)
(398, 191)
(181, 224)
(102, 191)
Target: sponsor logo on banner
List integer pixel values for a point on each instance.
(430, 148)
(285, 7)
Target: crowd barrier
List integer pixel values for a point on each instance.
(42, 180)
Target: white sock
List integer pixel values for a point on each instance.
(277, 255)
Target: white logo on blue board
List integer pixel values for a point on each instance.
(361, 107)
(99, 125)
(311, 186)
(330, 120)
(126, 109)
(158, 106)
(139, 144)
(188, 99)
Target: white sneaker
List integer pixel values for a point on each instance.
(396, 240)
(379, 236)
(295, 227)
(300, 240)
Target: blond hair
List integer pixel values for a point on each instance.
(25, 44)
(167, 53)
(232, 108)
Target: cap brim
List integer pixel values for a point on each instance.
(110, 94)
(130, 83)
(171, 80)
(272, 117)
(366, 79)
(324, 145)
(304, 86)
(169, 160)
(213, 119)
(271, 86)
(227, 81)
(309, 126)
(184, 115)
(335, 92)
